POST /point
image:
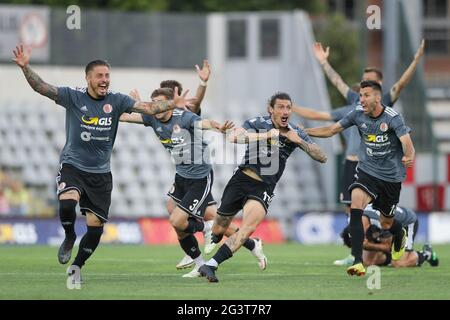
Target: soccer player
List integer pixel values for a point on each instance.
(377, 244)
(92, 117)
(179, 132)
(351, 135)
(386, 150)
(270, 141)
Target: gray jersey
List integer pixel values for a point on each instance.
(403, 215)
(351, 135)
(380, 154)
(184, 141)
(91, 127)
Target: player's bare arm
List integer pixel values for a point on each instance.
(241, 136)
(408, 74)
(408, 150)
(312, 149)
(22, 59)
(208, 124)
(131, 118)
(333, 76)
(155, 107)
(203, 74)
(325, 132)
(311, 114)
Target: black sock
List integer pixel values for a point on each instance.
(223, 254)
(356, 233)
(194, 225)
(249, 244)
(67, 216)
(421, 258)
(216, 238)
(397, 231)
(88, 244)
(190, 246)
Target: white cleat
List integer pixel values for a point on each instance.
(193, 274)
(185, 263)
(259, 254)
(207, 234)
(347, 261)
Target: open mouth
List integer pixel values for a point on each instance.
(284, 121)
(103, 88)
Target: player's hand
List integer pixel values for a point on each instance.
(419, 52)
(182, 102)
(204, 72)
(21, 57)
(407, 161)
(226, 126)
(320, 53)
(135, 95)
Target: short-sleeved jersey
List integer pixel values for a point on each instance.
(268, 160)
(403, 215)
(183, 138)
(91, 127)
(381, 151)
(351, 135)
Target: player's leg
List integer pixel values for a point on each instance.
(373, 258)
(67, 214)
(360, 199)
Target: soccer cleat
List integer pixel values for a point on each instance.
(433, 260)
(347, 261)
(356, 270)
(259, 254)
(396, 255)
(208, 272)
(65, 250)
(74, 277)
(207, 234)
(193, 274)
(185, 263)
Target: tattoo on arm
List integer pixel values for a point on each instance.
(39, 85)
(336, 79)
(314, 151)
(153, 107)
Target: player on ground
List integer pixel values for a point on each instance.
(270, 141)
(377, 244)
(386, 150)
(92, 117)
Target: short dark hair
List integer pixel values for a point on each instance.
(279, 95)
(376, 70)
(372, 84)
(166, 92)
(91, 65)
(171, 84)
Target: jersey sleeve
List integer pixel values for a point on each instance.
(250, 124)
(148, 120)
(349, 120)
(126, 103)
(398, 125)
(352, 97)
(64, 98)
(303, 135)
(339, 113)
(190, 119)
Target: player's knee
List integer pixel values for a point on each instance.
(177, 222)
(247, 231)
(67, 206)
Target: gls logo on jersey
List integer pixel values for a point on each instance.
(373, 138)
(96, 121)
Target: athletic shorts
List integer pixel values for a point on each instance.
(94, 189)
(385, 195)
(241, 188)
(193, 195)
(348, 177)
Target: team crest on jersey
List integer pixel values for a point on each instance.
(107, 108)
(61, 186)
(176, 129)
(384, 127)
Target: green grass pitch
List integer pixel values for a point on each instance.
(148, 272)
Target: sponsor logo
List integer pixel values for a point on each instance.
(61, 186)
(107, 108)
(87, 136)
(277, 143)
(384, 127)
(96, 121)
(369, 152)
(373, 138)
